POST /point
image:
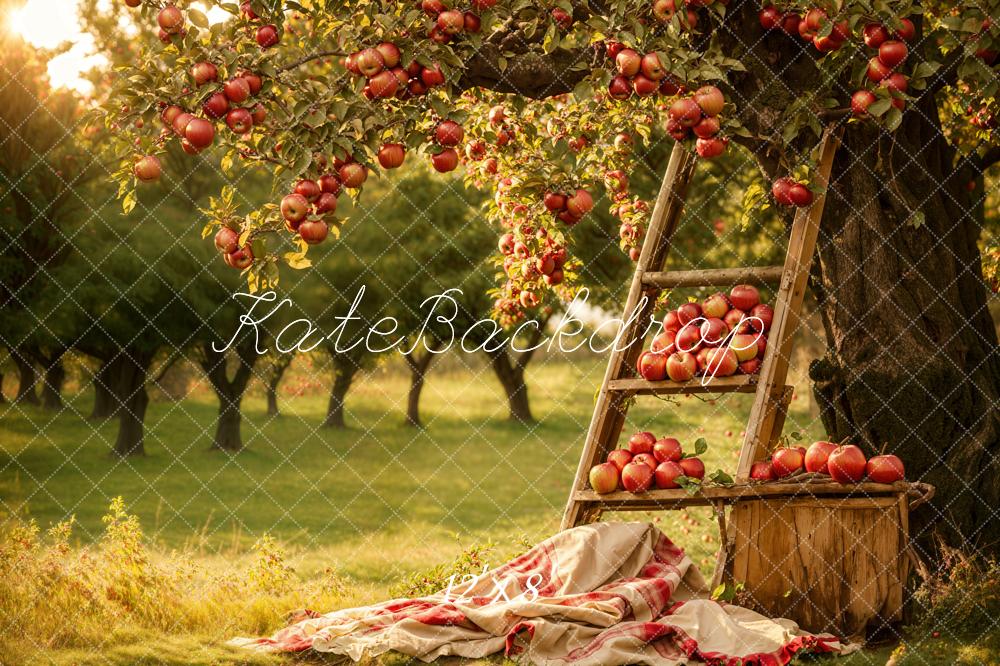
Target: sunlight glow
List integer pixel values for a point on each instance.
(49, 23)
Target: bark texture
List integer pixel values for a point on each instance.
(345, 367)
(275, 374)
(27, 377)
(130, 369)
(509, 367)
(104, 402)
(53, 380)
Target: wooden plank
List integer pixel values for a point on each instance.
(761, 432)
(609, 409)
(747, 491)
(714, 277)
(734, 384)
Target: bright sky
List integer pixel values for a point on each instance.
(48, 23)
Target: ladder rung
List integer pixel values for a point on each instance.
(625, 501)
(734, 384)
(714, 277)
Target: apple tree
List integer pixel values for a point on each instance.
(551, 105)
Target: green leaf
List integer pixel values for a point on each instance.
(700, 446)
(690, 486)
(197, 17)
(129, 202)
(721, 478)
(893, 118)
(917, 219)
(879, 107)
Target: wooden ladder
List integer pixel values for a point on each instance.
(772, 396)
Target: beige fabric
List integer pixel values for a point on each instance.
(607, 593)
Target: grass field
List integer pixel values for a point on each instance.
(370, 506)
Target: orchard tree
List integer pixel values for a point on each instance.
(533, 98)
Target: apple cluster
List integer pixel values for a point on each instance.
(717, 338)
(310, 201)
(447, 135)
(890, 55)
(811, 27)
(699, 115)
(790, 192)
(569, 208)
(643, 74)
(543, 263)
(450, 23)
(227, 241)
(386, 77)
(646, 461)
(196, 132)
(844, 463)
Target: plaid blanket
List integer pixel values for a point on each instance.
(601, 594)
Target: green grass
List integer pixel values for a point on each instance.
(374, 503)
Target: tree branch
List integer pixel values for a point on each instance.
(309, 58)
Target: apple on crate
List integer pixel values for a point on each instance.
(667, 449)
(817, 455)
(761, 471)
(641, 442)
(693, 468)
(787, 461)
(885, 469)
(619, 458)
(847, 464)
(681, 366)
(646, 459)
(652, 366)
(604, 478)
(637, 477)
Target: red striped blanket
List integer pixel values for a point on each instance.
(601, 594)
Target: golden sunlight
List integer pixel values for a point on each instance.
(49, 23)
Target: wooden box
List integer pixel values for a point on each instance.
(831, 564)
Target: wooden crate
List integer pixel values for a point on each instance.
(832, 564)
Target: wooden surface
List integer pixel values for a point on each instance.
(734, 384)
(827, 564)
(714, 277)
(609, 409)
(766, 415)
(733, 493)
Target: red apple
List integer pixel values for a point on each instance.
(722, 362)
(681, 366)
(170, 20)
(240, 259)
(326, 203)
(645, 459)
(384, 84)
(907, 31)
(765, 313)
(761, 471)
(713, 331)
(688, 312)
(619, 87)
(817, 455)
(666, 474)
(689, 338)
(785, 462)
(391, 155)
(644, 86)
(253, 80)
(671, 322)
(667, 449)
(169, 114)
(147, 168)
(846, 464)
(313, 232)
(800, 195)
(706, 128)
(390, 54)
(181, 122)
(895, 82)
(770, 17)
(885, 469)
(709, 148)
(738, 321)
(641, 442)
(369, 62)
(651, 67)
(874, 34)
(750, 367)
(204, 72)
(780, 188)
(451, 22)
(877, 71)
(432, 76)
(473, 23)
(199, 133)
(652, 366)
(444, 161)
(619, 458)
(267, 36)
(637, 477)
(227, 240)
(329, 183)
(294, 208)
(580, 203)
(308, 188)
(744, 297)
(554, 202)
(562, 17)
(686, 112)
(353, 175)
(216, 106)
(237, 90)
(628, 62)
(693, 468)
(744, 345)
(710, 100)
(604, 478)
(449, 133)
(664, 343)
(892, 53)
(239, 121)
(715, 306)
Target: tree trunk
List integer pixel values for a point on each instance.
(344, 369)
(131, 401)
(52, 386)
(3, 398)
(418, 365)
(912, 363)
(274, 379)
(104, 402)
(26, 378)
(511, 376)
(229, 391)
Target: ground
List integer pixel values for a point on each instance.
(372, 506)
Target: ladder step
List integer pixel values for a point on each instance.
(734, 384)
(626, 501)
(714, 277)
